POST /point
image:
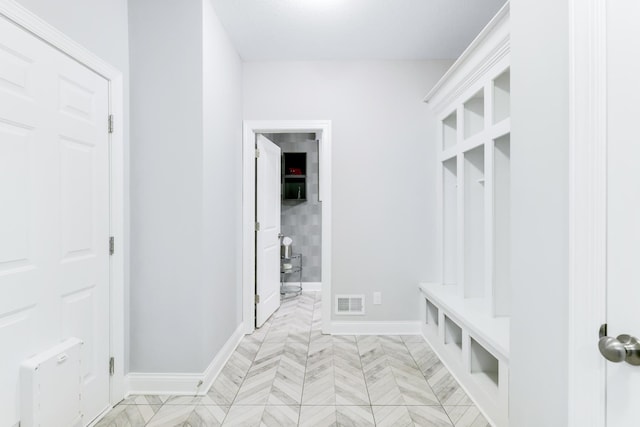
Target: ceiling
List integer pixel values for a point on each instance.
(353, 29)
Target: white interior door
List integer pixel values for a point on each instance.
(54, 214)
(267, 237)
(623, 230)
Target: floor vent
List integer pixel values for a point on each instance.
(350, 304)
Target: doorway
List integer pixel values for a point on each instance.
(301, 210)
(322, 132)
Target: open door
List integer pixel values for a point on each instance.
(268, 229)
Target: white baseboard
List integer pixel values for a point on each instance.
(218, 362)
(312, 286)
(184, 384)
(375, 328)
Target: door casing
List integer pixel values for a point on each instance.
(33, 24)
(587, 210)
(250, 129)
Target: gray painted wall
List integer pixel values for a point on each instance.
(302, 221)
(222, 161)
(186, 128)
(101, 26)
(539, 216)
(384, 179)
(166, 185)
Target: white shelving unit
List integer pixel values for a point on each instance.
(466, 314)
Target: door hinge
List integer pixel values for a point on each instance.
(112, 245)
(257, 226)
(110, 123)
(112, 365)
(257, 299)
(257, 153)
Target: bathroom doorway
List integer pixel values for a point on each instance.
(305, 213)
(300, 213)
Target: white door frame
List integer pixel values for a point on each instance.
(250, 129)
(33, 24)
(587, 210)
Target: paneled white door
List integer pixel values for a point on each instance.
(268, 201)
(623, 206)
(54, 214)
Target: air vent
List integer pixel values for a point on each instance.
(350, 304)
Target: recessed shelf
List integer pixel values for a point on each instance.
(501, 226)
(502, 97)
(450, 220)
(432, 313)
(294, 178)
(474, 233)
(449, 131)
(452, 334)
(474, 114)
(483, 365)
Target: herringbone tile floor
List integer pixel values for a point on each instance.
(288, 374)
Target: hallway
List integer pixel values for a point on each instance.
(287, 373)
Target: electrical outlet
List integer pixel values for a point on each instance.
(377, 298)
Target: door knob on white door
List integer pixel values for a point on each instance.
(624, 348)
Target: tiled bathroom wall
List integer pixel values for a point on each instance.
(302, 220)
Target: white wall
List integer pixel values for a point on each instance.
(384, 154)
(166, 184)
(186, 132)
(222, 165)
(539, 221)
(98, 25)
(101, 26)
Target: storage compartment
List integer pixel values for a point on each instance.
(474, 241)
(474, 114)
(502, 97)
(294, 189)
(294, 176)
(452, 334)
(432, 314)
(484, 366)
(501, 226)
(449, 131)
(450, 221)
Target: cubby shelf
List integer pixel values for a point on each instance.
(472, 298)
(473, 314)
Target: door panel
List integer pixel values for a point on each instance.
(54, 221)
(623, 210)
(268, 189)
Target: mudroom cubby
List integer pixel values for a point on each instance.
(472, 296)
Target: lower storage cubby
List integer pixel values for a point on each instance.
(432, 314)
(452, 334)
(483, 366)
(472, 344)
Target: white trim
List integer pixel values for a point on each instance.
(376, 328)
(215, 367)
(164, 384)
(186, 384)
(587, 210)
(33, 24)
(440, 96)
(250, 129)
(312, 286)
